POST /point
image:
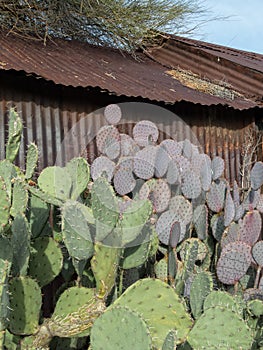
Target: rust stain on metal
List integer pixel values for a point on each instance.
(240, 69)
(72, 63)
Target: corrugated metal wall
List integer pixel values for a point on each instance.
(49, 116)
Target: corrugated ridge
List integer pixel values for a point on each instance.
(48, 122)
(219, 64)
(72, 63)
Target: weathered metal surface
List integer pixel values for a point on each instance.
(64, 123)
(243, 71)
(206, 75)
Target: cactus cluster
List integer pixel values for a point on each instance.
(152, 247)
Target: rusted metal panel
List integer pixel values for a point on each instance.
(63, 127)
(241, 70)
(71, 63)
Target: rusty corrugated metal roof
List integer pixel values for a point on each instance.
(182, 69)
(241, 70)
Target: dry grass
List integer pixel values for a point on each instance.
(216, 88)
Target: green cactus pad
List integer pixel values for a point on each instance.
(45, 196)
(224, 299)
(21, 245)
(220, 328)
(14, 135)
(161, 270)
(6, 249)
(45, 260)
(12, 342)
(31, 160)
(4, 205)
(170, 341)
(38, 215)
(5, 265)
(133, 219)
(25, 304)
(19, 198)
(76, 310)
(201, 286)
(75, 229)
(160, 306)
(56, 182)
(104, 264)
(74, 315)
(7, 174)
(190, 245)
(255, 307)
(79, 172)
(104, 207)
(120, 328)
(137, 255)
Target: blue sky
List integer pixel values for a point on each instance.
(243, 30)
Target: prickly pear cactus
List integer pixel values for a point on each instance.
(256, 175)
(25, 304)
(45, 260)
(37, 215)
(14, 135)
(115, 325)
(56, 182)
(76, 230)
(161, 210)
(75, 312)
(201, 286)
(227, 330)
(31, 160)
(104, 264)
(5, 203)
(21, 245)
(234, 262)
(161, 308)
